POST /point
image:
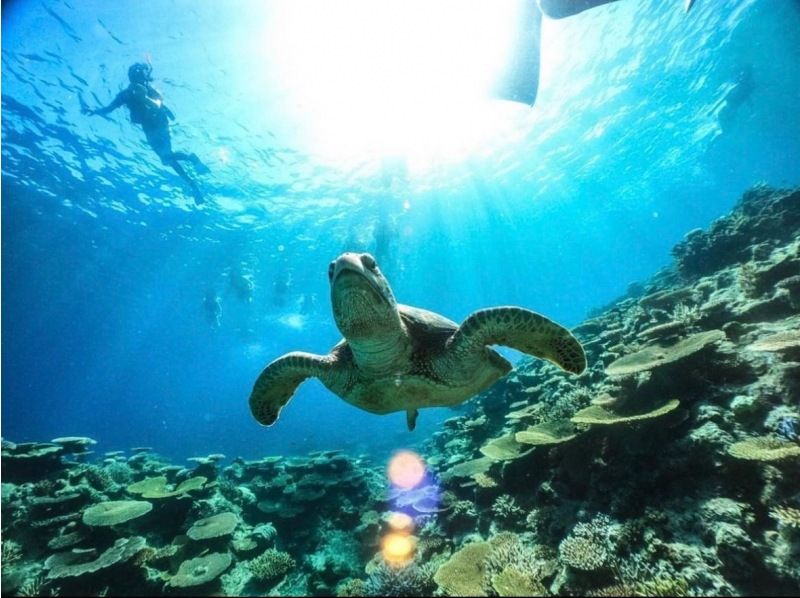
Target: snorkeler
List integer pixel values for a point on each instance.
(212, 306)
(147, 108)
(241, 284)
(520, 81)
(740, 92)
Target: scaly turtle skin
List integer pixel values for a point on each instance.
(399, 358)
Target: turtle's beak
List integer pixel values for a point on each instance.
(347, 262)
(352, 266)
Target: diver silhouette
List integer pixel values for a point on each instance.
(241, 284)
(739, 93)
(520, 80)
(147, 109)
(388, 206)
(212, 306)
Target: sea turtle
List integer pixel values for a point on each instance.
(400, 358)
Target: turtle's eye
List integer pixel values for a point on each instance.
(331, 268)
(368, 261)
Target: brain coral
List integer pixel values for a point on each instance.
(114, 512)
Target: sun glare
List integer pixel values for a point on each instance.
(412, 78)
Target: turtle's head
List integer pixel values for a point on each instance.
(364, 306)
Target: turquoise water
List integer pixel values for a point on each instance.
(364, 128)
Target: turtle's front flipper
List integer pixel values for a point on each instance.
(277, 383)
(522, 330)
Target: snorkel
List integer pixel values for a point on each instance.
(140, 73)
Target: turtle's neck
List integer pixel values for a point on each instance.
(384, 354)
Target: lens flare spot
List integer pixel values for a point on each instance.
(398, 549)
(406, 470)
(401, 522)
(224, 155)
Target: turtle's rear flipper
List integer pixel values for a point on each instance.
(522, 330)
(411, 419)
(277, 383)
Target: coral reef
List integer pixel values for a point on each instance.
(668, 468)
(681, 436)
(139, 525)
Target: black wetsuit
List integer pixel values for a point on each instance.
(147, 109)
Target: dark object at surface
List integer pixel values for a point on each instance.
(520, 81)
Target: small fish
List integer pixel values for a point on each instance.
(111, 35)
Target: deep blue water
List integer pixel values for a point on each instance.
(337, 130)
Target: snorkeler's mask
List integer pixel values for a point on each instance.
(140, 73)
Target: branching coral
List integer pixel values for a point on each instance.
(748, 279)
(513, 582)
(463, 509)
(409, 580)
(588, 547)
(352, 587)
(34, 586)
(657, 587)
(583, 553)
(685, 315)
(787, 516)
(484, 481)
(271, 564)
(11, 553)
(505, 508)
(508, 550)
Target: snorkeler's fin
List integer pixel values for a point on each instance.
(519, 80)
(198, 165)
(411, 419)
(199, 198)
(687, 5)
